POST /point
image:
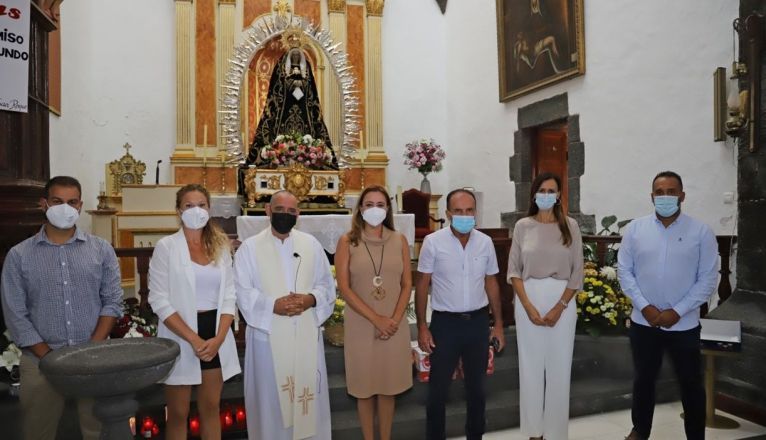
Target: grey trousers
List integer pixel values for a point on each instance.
(42, 406)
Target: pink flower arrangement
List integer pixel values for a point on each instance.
(424, 155)
(295, 148)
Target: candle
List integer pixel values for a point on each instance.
(399, 198)
(204, 136)
(101, 187)
(361, 140)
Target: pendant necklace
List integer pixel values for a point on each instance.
(378, 292)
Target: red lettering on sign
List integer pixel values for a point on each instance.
(12, 13)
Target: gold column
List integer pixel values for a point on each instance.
(225, 30)
(374, 81)
(333, 113)
(185, 78)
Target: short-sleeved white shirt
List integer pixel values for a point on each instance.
(457, 273)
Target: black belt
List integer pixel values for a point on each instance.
(464, 315)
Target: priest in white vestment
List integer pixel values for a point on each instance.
(285, 292)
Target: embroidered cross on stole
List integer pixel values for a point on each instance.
(293, 339)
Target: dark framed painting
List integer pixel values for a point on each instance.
(540, 42)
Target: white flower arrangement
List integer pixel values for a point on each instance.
(608, 272)
(133, 332)
(601, 304)
(11, 357)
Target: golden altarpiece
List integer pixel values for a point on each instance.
(208, 33)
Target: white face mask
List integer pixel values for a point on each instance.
(195, 218)
(374, 216)
(62, 216)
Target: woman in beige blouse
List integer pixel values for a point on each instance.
(372, 265)
(545, 268)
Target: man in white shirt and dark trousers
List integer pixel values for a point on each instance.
(668, 266)
(461, 266)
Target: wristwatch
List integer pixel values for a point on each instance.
(563, 303)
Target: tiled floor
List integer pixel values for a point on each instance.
(668, 425)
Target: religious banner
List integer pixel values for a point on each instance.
(14, 54)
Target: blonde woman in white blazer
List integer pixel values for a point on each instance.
(191, 289)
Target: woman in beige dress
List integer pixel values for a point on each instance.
(372, 264)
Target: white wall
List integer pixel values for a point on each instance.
(414, 87)
(118, 86)
(645, 102)
(658, 112)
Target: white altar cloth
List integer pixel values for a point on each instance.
(326, 228)
(225, 206)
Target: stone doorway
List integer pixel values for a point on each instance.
(537, 122)
(550, 154)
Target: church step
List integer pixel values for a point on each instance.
(505, 377)
(601, 381)
(615, 364)
(588, 396)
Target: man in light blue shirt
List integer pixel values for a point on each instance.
(59, 288)
(668, 266)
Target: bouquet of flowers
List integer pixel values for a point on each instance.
(337, 313)
(333, 327)
(289, 149)
(424, 155)
(11, 354)
(133, 323)
(601, 305)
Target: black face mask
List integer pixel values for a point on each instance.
(283, 222)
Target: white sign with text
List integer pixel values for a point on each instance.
(14, 55)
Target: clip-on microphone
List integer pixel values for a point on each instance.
(298, 256)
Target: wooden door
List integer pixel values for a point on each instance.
(550, 155)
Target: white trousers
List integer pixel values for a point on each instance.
(545, 362)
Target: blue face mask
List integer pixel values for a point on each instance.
(463, 223)
(545, 201)
(666, 206)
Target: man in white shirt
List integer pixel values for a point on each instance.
(460, 264)
(285, 292)
(668, 266)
